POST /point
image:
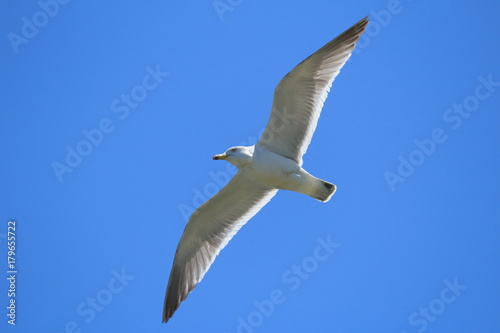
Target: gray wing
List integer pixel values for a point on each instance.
(209, 229)
(299, 97)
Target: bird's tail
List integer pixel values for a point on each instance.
(322, 190)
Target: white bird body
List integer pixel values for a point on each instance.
(276, 171)
(271, 169)
(274, 163)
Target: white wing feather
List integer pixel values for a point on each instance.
(208, 231)
(299, 97)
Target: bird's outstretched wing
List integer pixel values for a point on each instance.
(299, 97)
(209, 229)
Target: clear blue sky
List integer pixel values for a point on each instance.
(110, 113)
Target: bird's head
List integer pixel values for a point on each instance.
(238, 156)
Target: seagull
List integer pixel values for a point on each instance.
(273, 163)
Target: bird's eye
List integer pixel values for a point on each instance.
(234, 150)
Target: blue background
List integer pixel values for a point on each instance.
(121, 210)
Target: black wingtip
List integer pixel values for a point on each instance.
(328, 186)
(363, 22)
(165, 317)
(169, 308)
(167, 314)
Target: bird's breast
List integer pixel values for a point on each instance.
(271, 169)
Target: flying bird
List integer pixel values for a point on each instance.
(274, 163)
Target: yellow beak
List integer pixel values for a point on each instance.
(219, 157)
